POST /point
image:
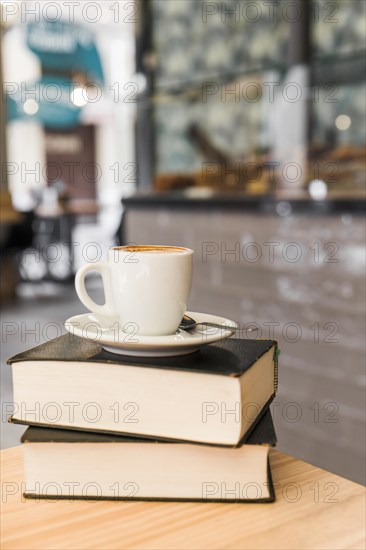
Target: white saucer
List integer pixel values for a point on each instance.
(110, 336)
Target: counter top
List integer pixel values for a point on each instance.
(262, 204)
(314, 509)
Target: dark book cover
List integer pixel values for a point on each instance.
(263, 434)
(230, 357)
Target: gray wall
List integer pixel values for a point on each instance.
(316, 285)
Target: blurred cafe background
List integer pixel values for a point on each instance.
(235, 128)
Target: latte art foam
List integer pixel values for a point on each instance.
(151, 249)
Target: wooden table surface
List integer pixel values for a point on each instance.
(314, 509)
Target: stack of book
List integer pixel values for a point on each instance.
(194, 427)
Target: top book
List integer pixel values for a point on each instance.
(215, 396)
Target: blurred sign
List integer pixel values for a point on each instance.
(48, 101)
(65, 46)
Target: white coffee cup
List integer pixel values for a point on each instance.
(146, 287)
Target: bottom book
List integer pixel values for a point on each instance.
(78, 465)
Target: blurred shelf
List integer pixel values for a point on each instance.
(191, 86)
(345, 68)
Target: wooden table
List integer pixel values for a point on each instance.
(314, 509)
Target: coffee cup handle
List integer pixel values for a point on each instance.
(106, 309)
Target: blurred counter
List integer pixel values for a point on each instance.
(205, 199)
(295, 268)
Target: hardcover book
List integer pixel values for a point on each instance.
(83, 465)
(215, 396)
